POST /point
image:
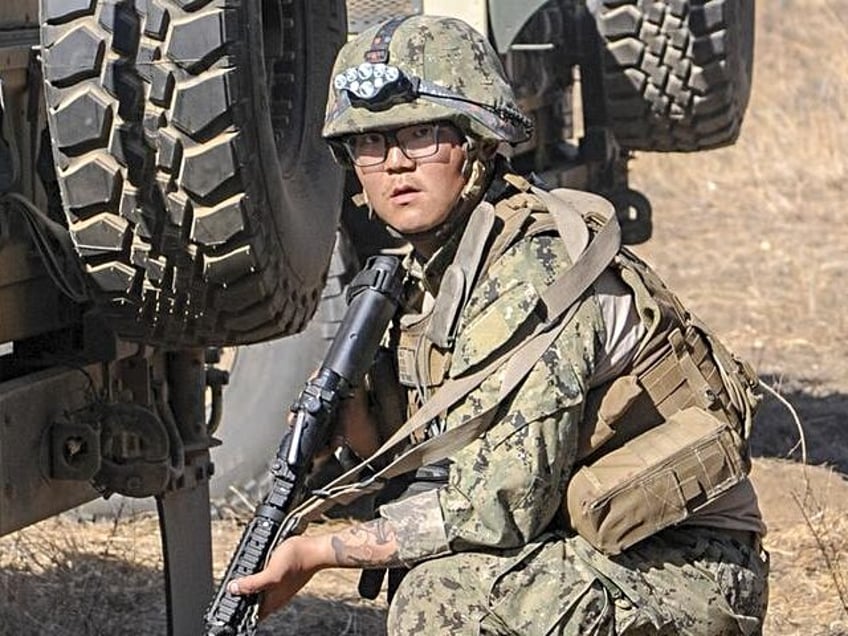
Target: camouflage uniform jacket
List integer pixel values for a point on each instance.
(506, 487)
(505, 565)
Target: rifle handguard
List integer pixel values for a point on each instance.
(373, 298)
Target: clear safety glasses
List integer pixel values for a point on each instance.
(417, 141)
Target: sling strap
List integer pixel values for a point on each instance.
(560, 303)
(460, 276)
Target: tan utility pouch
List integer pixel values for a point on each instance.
(655, 480)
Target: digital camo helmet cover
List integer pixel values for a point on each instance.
(416, 69)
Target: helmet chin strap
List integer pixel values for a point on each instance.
(476, 170)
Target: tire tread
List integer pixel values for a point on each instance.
(682, 67)
(154, 141)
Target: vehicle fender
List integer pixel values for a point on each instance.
(507, 18)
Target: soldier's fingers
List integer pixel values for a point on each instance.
(248, 584)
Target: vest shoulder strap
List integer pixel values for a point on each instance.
(560, 299)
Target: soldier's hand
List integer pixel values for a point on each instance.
(356, 425)
(293, 563)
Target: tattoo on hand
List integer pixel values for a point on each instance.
(367, 545)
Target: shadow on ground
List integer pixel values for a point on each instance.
(824, 420)
(308, 614)
(69, 593)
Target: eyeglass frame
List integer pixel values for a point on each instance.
(390, 139)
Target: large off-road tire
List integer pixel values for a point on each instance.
(676, 74)
(186, 136)
(265, 379)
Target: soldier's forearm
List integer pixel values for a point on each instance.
(364, 545)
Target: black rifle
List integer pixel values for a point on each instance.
(373, 297)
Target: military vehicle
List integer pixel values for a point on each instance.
(167, 207)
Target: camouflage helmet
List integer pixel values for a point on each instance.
(415, 69)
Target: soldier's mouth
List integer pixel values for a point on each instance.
(403, 194)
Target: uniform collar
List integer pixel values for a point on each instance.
(433, 269)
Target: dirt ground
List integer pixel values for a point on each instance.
(752, 237)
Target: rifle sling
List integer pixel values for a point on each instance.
(560, 300)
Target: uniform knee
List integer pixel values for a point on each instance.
(432, 599)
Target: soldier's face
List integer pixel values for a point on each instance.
(415, 196)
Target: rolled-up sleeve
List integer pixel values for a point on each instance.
(419, 526)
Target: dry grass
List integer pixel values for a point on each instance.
(805, 508)
(63, 577)
(754, 239)
(753, 236)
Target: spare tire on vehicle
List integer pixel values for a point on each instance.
(676, 74)
(186, 136)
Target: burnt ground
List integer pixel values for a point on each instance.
(752, 237)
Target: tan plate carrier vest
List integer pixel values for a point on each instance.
(657, 443)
